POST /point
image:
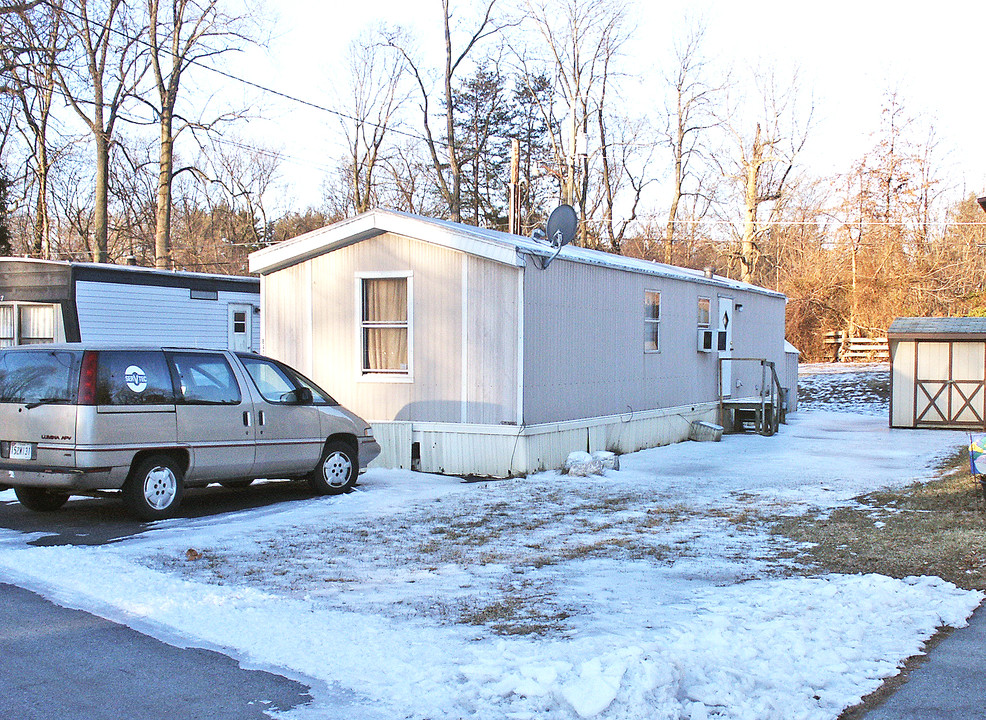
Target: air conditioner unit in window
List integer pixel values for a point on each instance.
(704, 340)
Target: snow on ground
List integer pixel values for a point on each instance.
(655, 591)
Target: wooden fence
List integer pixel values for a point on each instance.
(860, 349)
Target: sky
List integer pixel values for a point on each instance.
(848, 55)
(658, 588)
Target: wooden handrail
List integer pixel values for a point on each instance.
(771, 391)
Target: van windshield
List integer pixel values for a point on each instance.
(39, 376)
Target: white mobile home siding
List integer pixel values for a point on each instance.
(464, 357)
(121, 312)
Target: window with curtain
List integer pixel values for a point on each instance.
(37, 324)
(26, 324)
(7, 336)
(385, 327)
(652, 321)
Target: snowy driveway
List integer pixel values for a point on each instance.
(652, 592)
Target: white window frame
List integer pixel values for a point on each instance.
(708, 312)
(16, 308)
(379, 376)
(652, 326)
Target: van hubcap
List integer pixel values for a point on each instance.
(160, 488)
(336, 469)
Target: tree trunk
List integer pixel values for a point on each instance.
(162, 233)
(101, 211)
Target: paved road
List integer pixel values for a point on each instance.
(97, 521)
(59, 664)
(949, 685)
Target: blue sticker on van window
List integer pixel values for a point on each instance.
(136, 379)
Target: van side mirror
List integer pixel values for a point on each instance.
(298, 396)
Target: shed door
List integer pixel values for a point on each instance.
(949, 383)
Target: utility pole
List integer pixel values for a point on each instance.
(514, 212)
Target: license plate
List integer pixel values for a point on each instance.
(21, 451)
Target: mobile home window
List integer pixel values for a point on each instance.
(7, 336)
(26, 324)
(652, 321)
(704, 312)
(385, 325)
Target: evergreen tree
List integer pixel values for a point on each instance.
(482, 118)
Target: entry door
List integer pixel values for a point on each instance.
(949, 384)
(724, 344)
(240, 327)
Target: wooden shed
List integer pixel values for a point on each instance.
(938, 368)
(470, 356)
(58, 301)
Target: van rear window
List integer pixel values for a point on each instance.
(39, 376)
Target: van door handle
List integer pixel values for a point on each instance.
(260, 417)
(246, 418)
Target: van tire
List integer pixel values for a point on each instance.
(40, 499)
(155, 488)
(337, 471)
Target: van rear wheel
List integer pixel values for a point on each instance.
(155, 488)
(39, 499)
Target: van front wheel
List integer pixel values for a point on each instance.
(155, 488)
(337, 472)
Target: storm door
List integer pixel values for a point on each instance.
(724, 345)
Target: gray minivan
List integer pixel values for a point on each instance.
(80, 418)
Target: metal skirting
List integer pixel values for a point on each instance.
(510, 450)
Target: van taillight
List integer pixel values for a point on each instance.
(87, 378)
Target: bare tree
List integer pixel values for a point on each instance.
(182, 34)
(375, 94)
(765, 159)
(108, 46)
(582, 38)
(32, 85)
(691, 117)
(455, 55)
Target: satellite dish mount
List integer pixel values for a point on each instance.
(563, 224)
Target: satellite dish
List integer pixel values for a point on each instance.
(563, 224)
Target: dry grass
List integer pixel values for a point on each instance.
(930, 528)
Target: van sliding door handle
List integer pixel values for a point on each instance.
(260, 418)
(246, 418)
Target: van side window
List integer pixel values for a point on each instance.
(272, 382)
(133, 378)
(204, 379)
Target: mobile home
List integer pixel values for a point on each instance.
(471, 355)
(56, 301)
